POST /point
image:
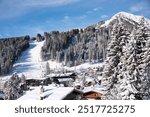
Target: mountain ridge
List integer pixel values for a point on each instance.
(127, 16)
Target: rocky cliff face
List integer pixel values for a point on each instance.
(10, 50)
(84, 45)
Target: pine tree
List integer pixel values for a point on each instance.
(115, 77)
(113, 58)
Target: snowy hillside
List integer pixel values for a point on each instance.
(128, 17)
(30, 63)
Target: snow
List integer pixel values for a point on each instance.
(85, 66)
(96, 88)
(60, 93)
(50, 93)
(126, 16)
(59, 74)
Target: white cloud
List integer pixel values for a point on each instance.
(104, 16)
(94, 10)
(140, 7)
(136, 8)
(11, 8)
(66, 17)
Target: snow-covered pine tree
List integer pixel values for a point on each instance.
(147, 69)
(12, 87)
(145, 32)
(113, 59)
(126, 73)
(133, 82)
(127, 63)
(140, 48)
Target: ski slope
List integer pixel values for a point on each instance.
(30, 63)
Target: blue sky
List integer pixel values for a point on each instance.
(29, 17)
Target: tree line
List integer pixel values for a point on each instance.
(75, 46)
(10, 50)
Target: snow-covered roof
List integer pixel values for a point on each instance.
(50, 93)
(89, 79)
(65, 79)
(59, 75)
(90, 89)
(60, 93)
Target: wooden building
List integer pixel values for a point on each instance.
(38, 82)
(92, 94)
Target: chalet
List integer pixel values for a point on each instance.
(92, 94)
(38, 82)
(64, 78)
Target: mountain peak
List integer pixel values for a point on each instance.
(127, 17)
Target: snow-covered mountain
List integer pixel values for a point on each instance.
(133, 19)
